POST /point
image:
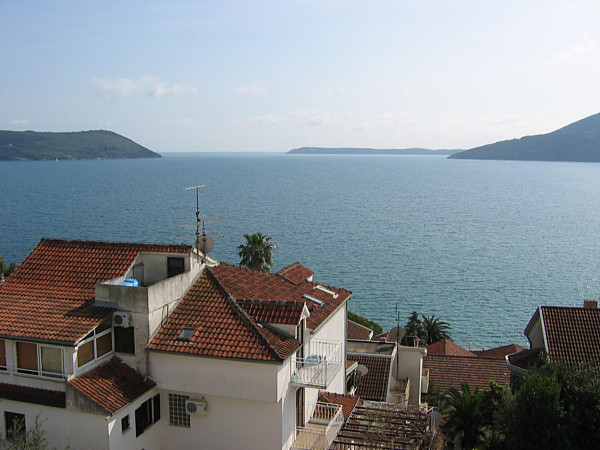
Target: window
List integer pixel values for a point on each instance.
(147, 414)
(175, 266)
(177, 414)
(95, 344)
(14, 424)
(2, 354)
(125, 424)
(124, 340)
(40, 360)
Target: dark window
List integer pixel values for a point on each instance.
(124, 340)
(14, 423)
(147, 414)
(175, 266)
(125, 423)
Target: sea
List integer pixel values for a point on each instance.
(479, 244)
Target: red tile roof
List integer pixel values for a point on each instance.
(348, 402)
(572, 334)
(499, 352)
(50, 294)
(296, 273)
(373, 385)
(112, 385)
(37, 396)
(246, 284)
(285, 313)
(358, 331)
(525, 358)
(447, 347)
(223, 328)
(447, 371)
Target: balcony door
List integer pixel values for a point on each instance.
(300, 407)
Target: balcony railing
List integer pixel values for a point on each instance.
(321, 362)
(321, 430)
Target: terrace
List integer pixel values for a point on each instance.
(317, 369)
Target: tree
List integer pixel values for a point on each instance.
(256, 253)
(365, 322)
(465, 422)
(414, 329)
(19, 439)
(5, 268)
(435, 329)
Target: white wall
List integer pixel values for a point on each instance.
(410, 365)
(215, 376)
(535, 332)
(150, 439)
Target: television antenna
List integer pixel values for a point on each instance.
(204, 243)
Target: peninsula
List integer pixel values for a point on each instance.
(368, 151)
(577, 142)
(96, 144)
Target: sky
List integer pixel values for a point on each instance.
(262, 75)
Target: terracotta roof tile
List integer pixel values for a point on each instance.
(37, 396)
(348, 402)
(358, 331)
(572, 334)
(373, 385)
(447, 347)
(248, 284)
(525, 358)
(50, 294)
(285, 313)
(447, 371)
(112, 385)
(296, 273)
(222, 327)
(499, 352)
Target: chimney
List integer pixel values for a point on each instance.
(589, 303)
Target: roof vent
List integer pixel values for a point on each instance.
(590, 303)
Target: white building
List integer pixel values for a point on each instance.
(185, 356)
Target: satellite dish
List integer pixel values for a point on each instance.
(205, 244)
(397, 333)
(362, 370)
(436, 419)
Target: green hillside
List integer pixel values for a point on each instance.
(578, 142)
(97, 144)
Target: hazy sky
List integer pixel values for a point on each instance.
(261, 75)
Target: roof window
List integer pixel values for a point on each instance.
(186, 334)
(321, 303)
(327, 291)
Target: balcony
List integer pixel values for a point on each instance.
(322, 361)
(321, 430)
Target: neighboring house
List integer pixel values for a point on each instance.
(358, 331)
(569, 335)
(449, 365)
(129, 346)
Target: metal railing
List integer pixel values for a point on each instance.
(322, 428)
(321, 362)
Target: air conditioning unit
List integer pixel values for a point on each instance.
(121, 319)
(197, 407)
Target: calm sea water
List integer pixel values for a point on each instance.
(479, 243)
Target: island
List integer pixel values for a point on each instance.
(95, 144)
(368, 151)
(577, 142)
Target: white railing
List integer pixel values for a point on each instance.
(322, 428)
(322, 360)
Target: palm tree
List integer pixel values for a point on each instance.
(435, 329)
(256, 253)
(414, 329)
(465, 422)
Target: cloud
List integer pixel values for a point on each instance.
(19, 122)
(268, 119)
(250, 90)
(313, 117)
(145, 85)
(588, 47)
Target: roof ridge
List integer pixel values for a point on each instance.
(243, 315)
(93, 241)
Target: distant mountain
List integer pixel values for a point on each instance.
(368, 151)
(97, 144)
(578, 142)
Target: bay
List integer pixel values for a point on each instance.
(480, 244)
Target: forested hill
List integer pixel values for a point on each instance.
(368, 151)
(577, 142)
(97, 144)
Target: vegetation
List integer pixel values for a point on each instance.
(579, 141)
(31, 145)
(257, 252)
(365, 323)
(33, 439)
(464, 426)
(7, 269)
(425, 329)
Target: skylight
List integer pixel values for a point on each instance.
(186, 334)
(327, 291)
(321, 303)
